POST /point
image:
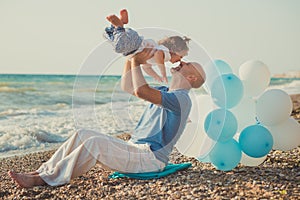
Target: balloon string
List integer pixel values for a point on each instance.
(257, 121)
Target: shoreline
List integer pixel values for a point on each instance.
(278, 177)
(295, 113)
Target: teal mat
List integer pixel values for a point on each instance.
(169, 169)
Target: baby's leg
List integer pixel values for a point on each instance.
(115, 21)
(148, 69)
(124, 16)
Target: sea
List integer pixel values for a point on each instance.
(39, 112)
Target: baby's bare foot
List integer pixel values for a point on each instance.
(124, 16)
(115, 21)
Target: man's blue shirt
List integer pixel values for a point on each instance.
(161, 125)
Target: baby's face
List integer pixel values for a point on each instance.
(177, 56)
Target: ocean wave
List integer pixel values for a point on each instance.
(14, 141)
(15, 90)
(10, 142)
(34, 111)
(43, 136)
(58, 83)
(291, 86)
(2, 84)
(12, 112)
(295, 83)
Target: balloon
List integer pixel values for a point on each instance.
(273, 106)
(227, 91)
(286, 135)
(222, 66)
(194, 142)
(255, 76)
(204, 159)
(226, 155)
(201, 106)
(245, 113)
(247, 160)
(215, 68)
(256, 141)
(250, 161)
(220, 125)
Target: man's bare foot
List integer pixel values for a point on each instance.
(115, 21)
(26, 181)
(32, 173)
(124, 16)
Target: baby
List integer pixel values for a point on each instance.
(128, 42)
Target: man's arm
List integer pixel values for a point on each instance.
(140, 86)
(159, 57)
(126, 80)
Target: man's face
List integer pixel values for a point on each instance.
(182, 66)
(190, 71)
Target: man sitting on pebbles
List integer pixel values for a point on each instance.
(152, 142)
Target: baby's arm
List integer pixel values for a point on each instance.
(159, 59)
(148, 69)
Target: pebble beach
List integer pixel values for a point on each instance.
(278, 177)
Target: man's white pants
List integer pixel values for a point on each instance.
(86, 148)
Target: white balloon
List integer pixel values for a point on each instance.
(250, 161)
(273, 107)
(194, 142)
(255, 76)
(201, 106)
(286, 135)
(245, 113)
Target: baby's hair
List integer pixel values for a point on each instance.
(175, 43)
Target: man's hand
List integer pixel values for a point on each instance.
(140, 86)
(142, 57)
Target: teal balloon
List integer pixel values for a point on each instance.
(227, 91)
(204, 160)
(223, 67)
(226, 155)
(220, 125)
(256, 141)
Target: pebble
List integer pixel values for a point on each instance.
(277, 178)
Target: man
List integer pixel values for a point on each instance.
(154, 137)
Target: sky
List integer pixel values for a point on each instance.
(56, 36)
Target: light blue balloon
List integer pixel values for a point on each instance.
(223, 67)
(220, 125)
(226, 155)
(227, 91)
(204, 159)
(213, 69)
(256, 141)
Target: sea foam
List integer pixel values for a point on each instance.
(39, 112)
